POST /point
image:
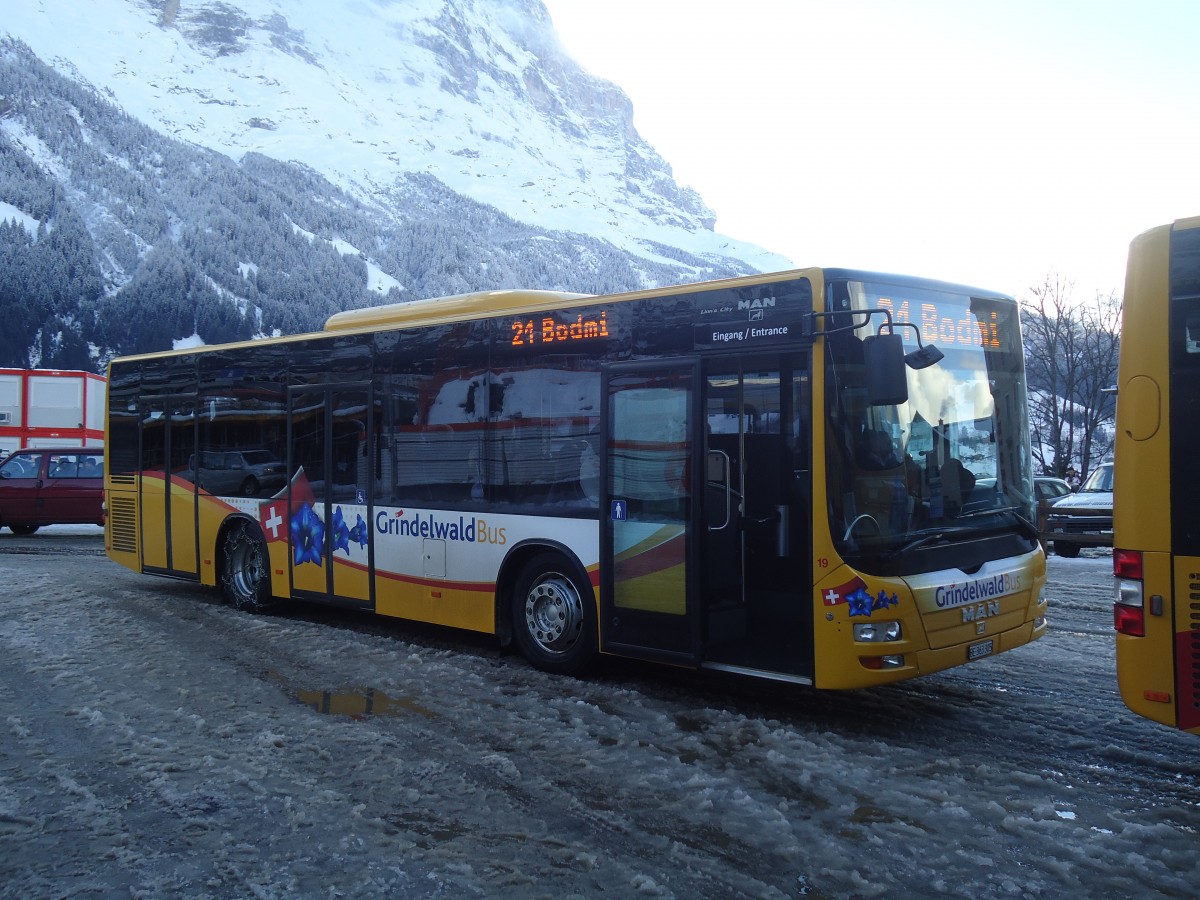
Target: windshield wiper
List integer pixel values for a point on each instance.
(1027, 527)
(922, 540)
(919, 541)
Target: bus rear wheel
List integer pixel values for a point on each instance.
(245, 578)
(23, 528)
(554, 615)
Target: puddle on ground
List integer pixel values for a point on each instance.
(360, 703)
(354, 703)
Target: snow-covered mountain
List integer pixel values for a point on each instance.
(478, 93)
(383, 102)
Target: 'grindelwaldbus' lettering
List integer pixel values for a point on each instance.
(975, 591)
(462, 529)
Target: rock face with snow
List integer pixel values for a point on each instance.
(428, 146)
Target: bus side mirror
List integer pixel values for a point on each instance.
(887, 380)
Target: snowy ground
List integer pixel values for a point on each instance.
(155, 743)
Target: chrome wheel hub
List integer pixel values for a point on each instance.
(554, 614)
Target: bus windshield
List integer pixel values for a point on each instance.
(953, 460)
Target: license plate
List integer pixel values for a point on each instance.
(983, 648)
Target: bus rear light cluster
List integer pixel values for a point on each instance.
(1129, 606)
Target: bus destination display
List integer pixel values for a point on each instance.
(548, 330)
(949, 324)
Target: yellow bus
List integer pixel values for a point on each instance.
(820, 476)
(1156, 490)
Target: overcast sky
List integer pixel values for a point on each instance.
(988, 144)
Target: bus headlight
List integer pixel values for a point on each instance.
(876, 632)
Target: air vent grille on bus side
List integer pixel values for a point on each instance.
(122, 522)
(1191, 680)
(1187, 657)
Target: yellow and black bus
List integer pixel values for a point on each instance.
(820, 476)
(1156, 488)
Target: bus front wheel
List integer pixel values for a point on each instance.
(554, 615)
(1066, 551)
(245, 578)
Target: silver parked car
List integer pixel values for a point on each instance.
(244, 473)
(1046, 487)
(1084, 517)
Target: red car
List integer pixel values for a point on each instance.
(52, 486)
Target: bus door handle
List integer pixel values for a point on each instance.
(721, 458)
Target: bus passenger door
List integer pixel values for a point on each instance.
(168, 497)
(755, 538)
(648, 596)
(328, 440)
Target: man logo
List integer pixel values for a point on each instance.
(761, 303)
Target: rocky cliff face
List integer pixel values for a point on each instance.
(478, 93)
(215, 170)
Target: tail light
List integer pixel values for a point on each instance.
(1127, 564)
(1129, 606)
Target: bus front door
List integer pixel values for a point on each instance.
(330, 555)
(168, 496)
(755, 535)
(648, 596)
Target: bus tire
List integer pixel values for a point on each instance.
(1066, 551)
(23, 528)
(554, 615)
(245, 568)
